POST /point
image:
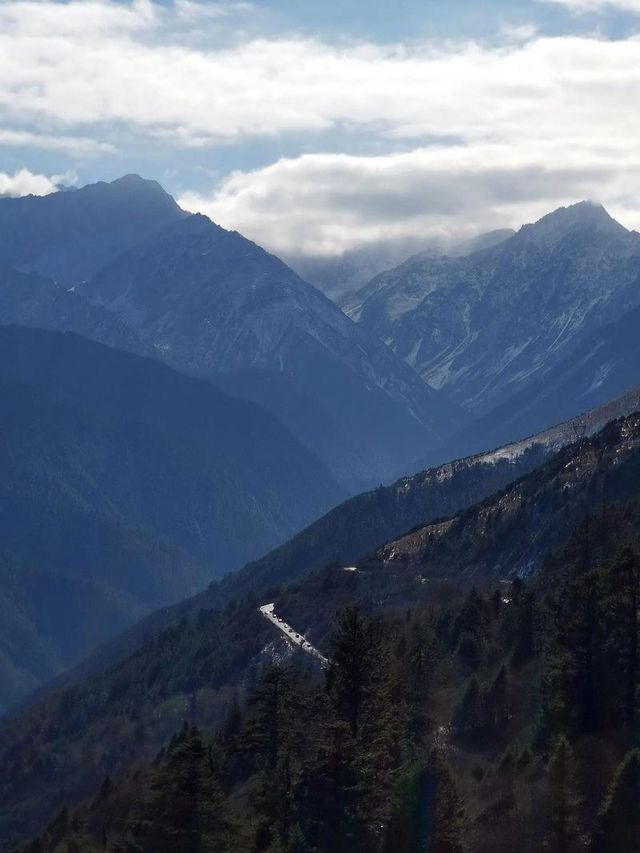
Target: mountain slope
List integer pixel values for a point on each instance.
(508, 535)
(604, 362)
(199, 662)
(129, 486)
(359, 525)
(363, 523)
(513, 700)
(211, 303)
(339, 277)
(483, 325)
(70, 235)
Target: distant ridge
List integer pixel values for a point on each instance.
(121, 263)
(497, 328)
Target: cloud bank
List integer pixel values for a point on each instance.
(459, 134)
(326, 204)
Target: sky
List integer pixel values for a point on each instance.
(317, 127)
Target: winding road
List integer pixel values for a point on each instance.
(268, 611)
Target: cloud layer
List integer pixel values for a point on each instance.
(327, 204)
(465, 134)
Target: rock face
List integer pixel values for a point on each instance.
(501, 320)
(211, 303)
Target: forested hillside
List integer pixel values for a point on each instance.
(492, 721)
(204, 669)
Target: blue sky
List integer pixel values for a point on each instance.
(382, 20)
(317, 127)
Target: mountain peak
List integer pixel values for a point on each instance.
(132, 179)
(133, 187)
(583, 217)
(133, 182)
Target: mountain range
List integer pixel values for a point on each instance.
(185, 421)
(339, 277)
(211, 303)
(516, 333)
(502, 337)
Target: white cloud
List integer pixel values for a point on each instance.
(327, 203)
(520, 126)
(98, 64)
(24, 182)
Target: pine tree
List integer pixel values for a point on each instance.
(496, 704)
(467, 717)
(573, 669)
(447, 813)
(562, 797)
(620, 814)
(183, 810)
(270, 708)
(354, 649)
(625, 580)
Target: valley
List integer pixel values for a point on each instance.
(200, 578)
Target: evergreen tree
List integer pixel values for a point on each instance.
(620, 815)
(447, 813)
(467, 716)
(183, 810)
(574, 678)
(354, 648)
(562, 797)
(625, 581)
(496, 704)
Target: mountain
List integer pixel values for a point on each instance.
(365, 522)
(604, 362)
(213, 303)
(126, 486)
(339, 277)
(209, 302)
(197, 666)
(68, 236)
(492, 720)
(29, 299)
(509, 534)
(502, 320)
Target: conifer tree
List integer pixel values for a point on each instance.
(353, 660)
(562, 797)
(625, 580)
(447, 813)
(182, 812)
(620, 814)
